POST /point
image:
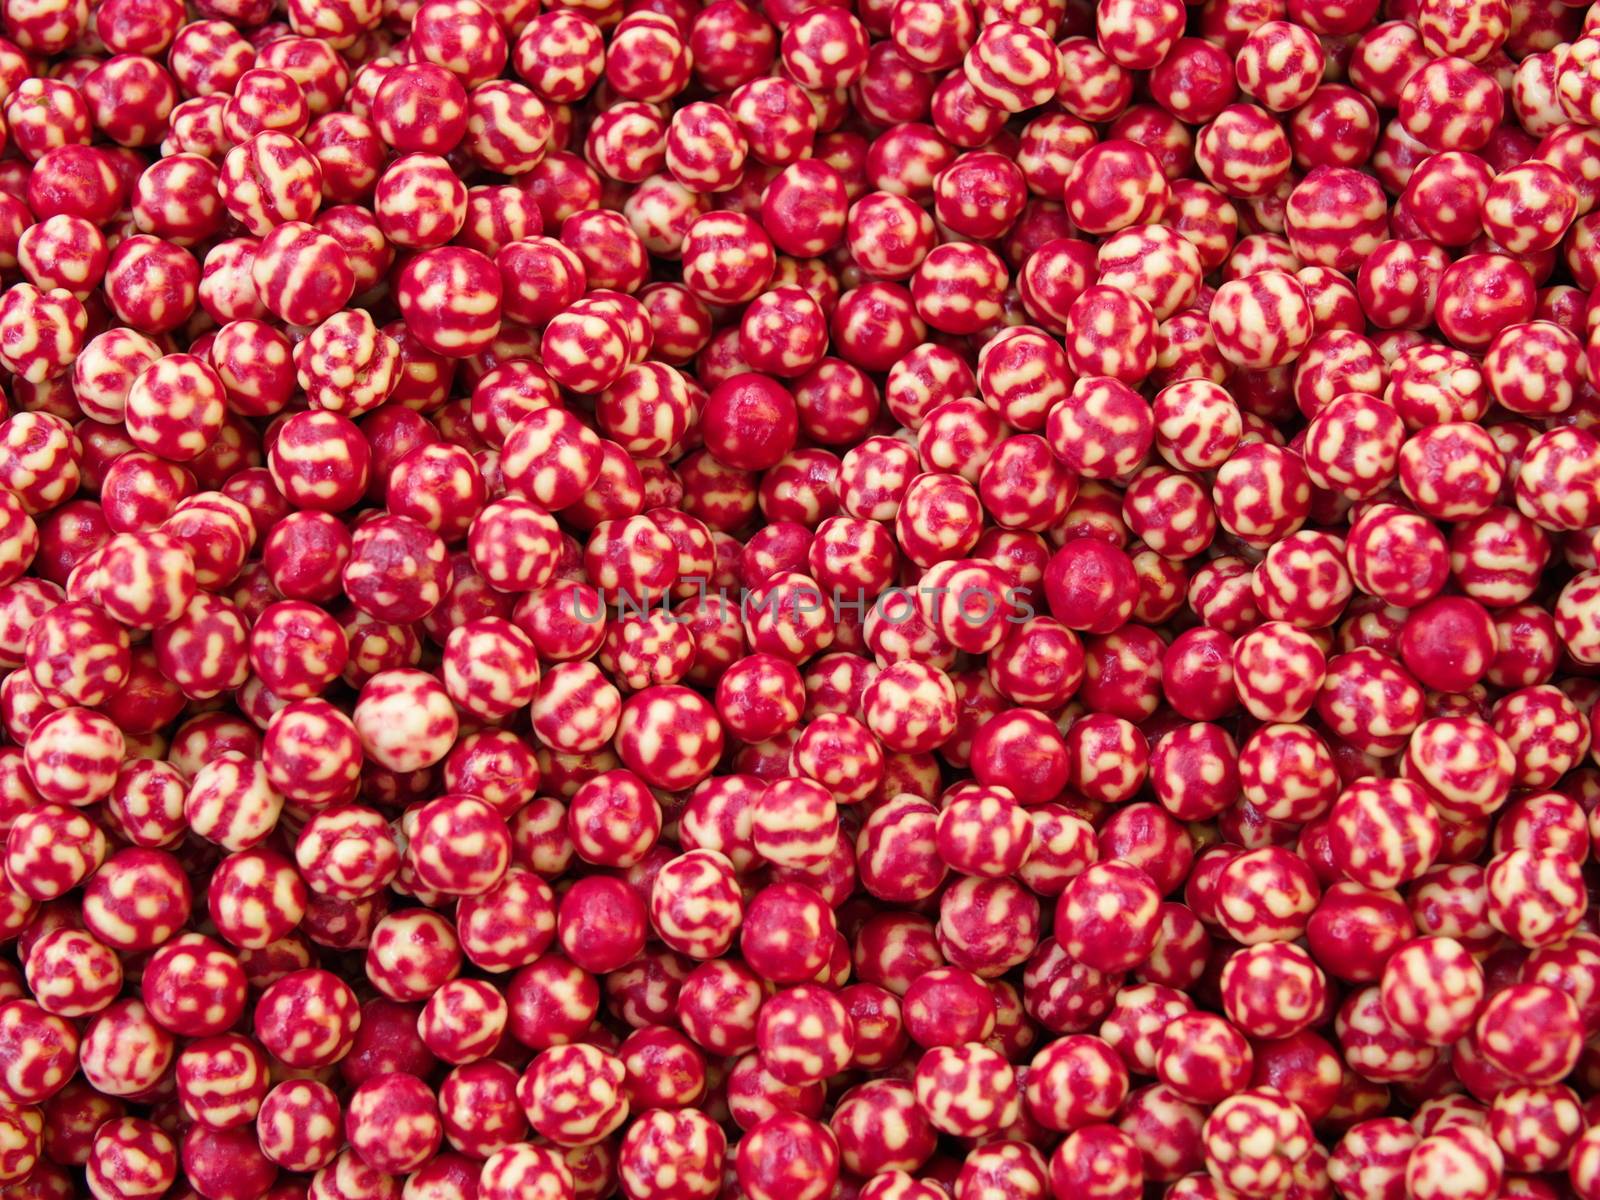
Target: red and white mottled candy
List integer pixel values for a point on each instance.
(1116, 185)
(1533, 368)
(232, 803)
(396, 569)
(269, 179)
(795, 824)
(307, 1018)
(479, 1108)
(1261, 321)
(1110, 333)
(1432, 989)
(1336, 217)
(41, 1052)
(1461, 1160)
(1535, 895)
(1303, 580)
(255, 897)
(1369, 1162)
(1106, 917)
(459, 846)
(1155, 263)
(1547, 733)
(804, 1035)
(1253, 1141)
(1197, 424)
(76, 655)
(450, 298)
(897, 851)
(411, 954)
(576, 708)
(551, 457)
(298, 1125)
(320, 461)
(1073, 1081)
(1529, 207)
(1013, 66)
(910, 707)
(194, 987)
(1575, 616)
(985, 833)
(490, 668)
(1384, 832)
(124, 1051)
(1531, 1032)
(670, 736)
(524, 1171)
(131, 1157)
(405, 719)
(72, 755)
(1262, 493)
(561, 54)
(312, 752)
(1265, 895)
(347, 365)
(1352, 446)
(584, 351)
(510, 925)
(38, 460)
(138, 900)
(103, 373)
(944, 1090)
(1022, 373)
(175, 407)
(463, 1021)
(1558, 485)
(1280, 64)
(41, 333)
(143, 580)
(302, 275)
(1098, 1159)
(859, 1123)
(573, 1094)
(72, 973)
(824, 51)
(1364, 524)
(1536, 1127)
(1243, 152)
(221, 1081)
(672, 1156)
(392, 1122)
(1203, 1058)
(1451, 104)
(515, 545)
(1370, 700)
(1278, 671)
(1463, 765)
(727, 257)
(1273, 989)
(788, 1156)
(297, 649)
(1101, 430)
(958, 288)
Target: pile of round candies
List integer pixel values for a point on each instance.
(767, 600)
